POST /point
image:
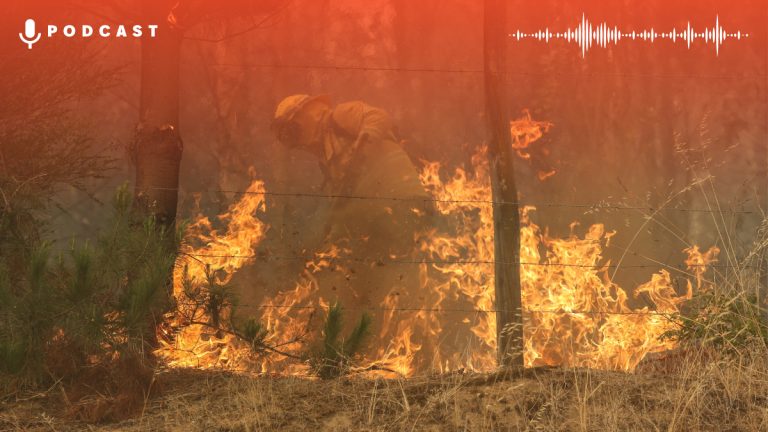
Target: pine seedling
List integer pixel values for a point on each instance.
(335, 356)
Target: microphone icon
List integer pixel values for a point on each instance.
(29, 36)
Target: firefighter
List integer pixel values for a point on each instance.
(348, 139)
(378, 202)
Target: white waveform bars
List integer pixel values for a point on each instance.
(586, 35)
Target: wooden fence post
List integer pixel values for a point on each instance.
(506, 215)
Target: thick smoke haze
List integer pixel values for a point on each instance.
(633, 124)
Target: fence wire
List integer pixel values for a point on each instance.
(456, 310)
(452, 262)
(594, 206)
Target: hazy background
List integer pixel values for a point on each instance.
(633, 124)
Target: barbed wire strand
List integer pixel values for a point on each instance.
(469, 71)
(450, 310)
(437, 70)
(448, 262)
(596, 206)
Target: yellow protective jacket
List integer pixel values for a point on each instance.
(361, 139)
(380, 204)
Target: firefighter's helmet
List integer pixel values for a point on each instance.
(288, 107)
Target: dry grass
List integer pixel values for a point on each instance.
(694, 392)
(690, 389)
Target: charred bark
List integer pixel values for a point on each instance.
(506, 215)
(157, 145)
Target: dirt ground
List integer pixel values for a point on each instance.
(712, 395)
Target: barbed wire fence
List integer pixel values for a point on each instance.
(589, 207)
(266, 257)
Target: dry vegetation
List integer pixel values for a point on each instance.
(690, 391)
(716, 380)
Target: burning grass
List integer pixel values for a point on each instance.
(574, 313)
(694, 365)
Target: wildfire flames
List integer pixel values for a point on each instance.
(525, 131)
(573, 313)
(210, 255)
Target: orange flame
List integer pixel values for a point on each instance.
(206, 248)
(525, 131)
(574, 314)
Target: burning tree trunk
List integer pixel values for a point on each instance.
(506, 215)
(158, 145)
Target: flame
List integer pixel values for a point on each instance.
(525, 131)
(698, 261)
(574, 314)
(577, 316)
(289, 315)
(208, 251)
(467, 252)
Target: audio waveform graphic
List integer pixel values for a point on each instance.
(587, 35)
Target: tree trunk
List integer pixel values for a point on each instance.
(506, 215)
(158, 145)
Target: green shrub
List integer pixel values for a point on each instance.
(335, 354)
(92, 304)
